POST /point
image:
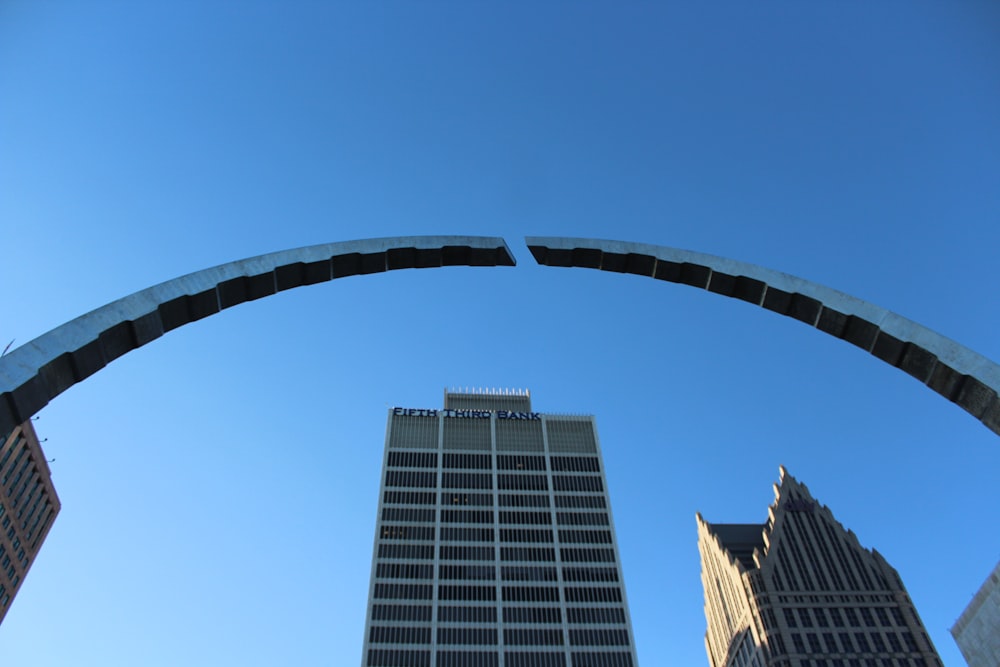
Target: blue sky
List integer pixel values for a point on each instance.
(220, 485)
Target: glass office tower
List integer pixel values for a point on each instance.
(495, 544)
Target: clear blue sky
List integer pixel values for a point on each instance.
(219, 486)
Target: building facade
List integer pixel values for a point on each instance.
(495, 544)
(977, 630)
(800, 591)
(28, 506)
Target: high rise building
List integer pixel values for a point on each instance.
(495, 545)
(800, 591)
(977, 630)
(28, 506)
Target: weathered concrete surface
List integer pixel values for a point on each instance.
(952, 370)
(35, 373)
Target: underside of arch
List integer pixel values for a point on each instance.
(952, 370)
(40, 370)
(35, 373)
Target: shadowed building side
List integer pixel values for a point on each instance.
(800, 591)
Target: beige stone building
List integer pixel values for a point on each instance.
(977, 630)
(28, 506)
(800, 591)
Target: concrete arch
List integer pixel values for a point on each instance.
(962, 376)
(38, 371)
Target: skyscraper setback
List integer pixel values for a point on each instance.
(495, 545)
(800, 591)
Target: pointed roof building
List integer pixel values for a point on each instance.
(799, 590)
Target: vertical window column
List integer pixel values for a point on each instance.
(436, 582)
(496, 538)
(555, 532)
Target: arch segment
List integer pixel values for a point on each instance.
(38, 371)
(959, 374)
